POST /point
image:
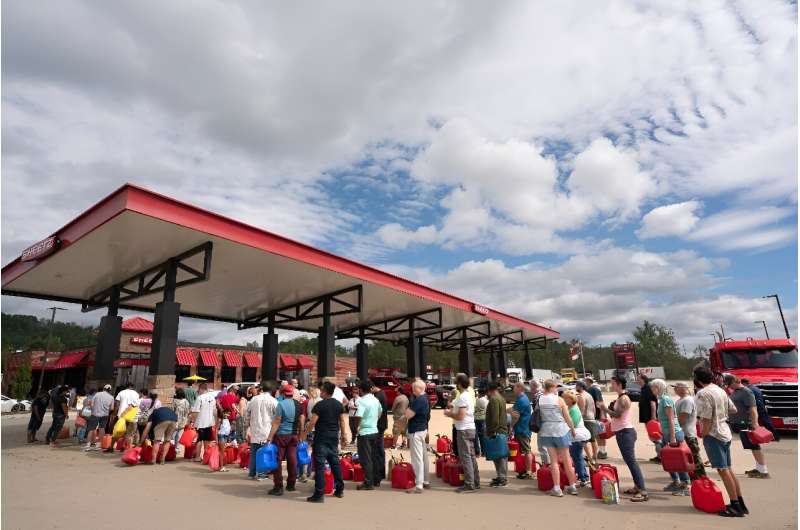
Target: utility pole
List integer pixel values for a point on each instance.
(49, 339)
(780, 310)
(765, 327)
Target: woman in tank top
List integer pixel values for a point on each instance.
(620, 413)
(579, 439)
(556, 434)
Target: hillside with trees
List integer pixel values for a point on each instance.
(27, 332)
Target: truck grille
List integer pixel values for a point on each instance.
(780, 398)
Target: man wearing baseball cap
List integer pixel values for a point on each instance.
(284, 434)
(102, 403)
(686, 409)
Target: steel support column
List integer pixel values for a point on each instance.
(465, 358)
(165, 326)
(423, 371)
(412, 355)
(269, 353)
(528, 363)
(362, 361)
(492, 364)
(108, 338)
(502, 358)
(326, 352)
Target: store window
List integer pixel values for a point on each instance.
(206, 372)
(228, 374)
(181, 372)
(249, 374)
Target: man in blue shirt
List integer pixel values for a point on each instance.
(761, 407)
(370, 440)
(521, 420)
(418, 414)
(283, 434)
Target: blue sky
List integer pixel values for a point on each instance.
(583, 166)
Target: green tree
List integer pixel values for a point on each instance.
(22, 381)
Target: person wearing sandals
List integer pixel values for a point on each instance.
(620, 413)
(556, 434)
(713, 408)
(580, 438)
(672, 433)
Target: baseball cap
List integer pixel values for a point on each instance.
(107, 387)
(288, 390)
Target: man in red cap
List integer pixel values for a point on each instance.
(284, 434)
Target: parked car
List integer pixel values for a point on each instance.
(634, 390)
(12, 405)
(443, 393)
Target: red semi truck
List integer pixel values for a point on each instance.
(769, 364)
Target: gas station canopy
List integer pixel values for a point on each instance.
(233, 272)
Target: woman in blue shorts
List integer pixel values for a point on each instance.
(556, 434)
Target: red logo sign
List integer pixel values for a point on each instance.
(141, 340)
(623, 348)
(480, 309)
(42, 249)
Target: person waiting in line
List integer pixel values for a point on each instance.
(204, 416)
(620, 412)
(713, 408)
(241, 411)
(127, 399)
(536, 393)
(557, 433)
(60, 415)
(102, 403)
(599, 445)
(352, 407)
(744, 420)
(462, 411)
(686, 408)
(521, 422)
(579, 439)
(38, 409)
(328, 425)
(496, 424)
(284, 434)
(587, 408)
(480, 420)
(370, 440)
(181, 407)
(161, 423)
(383, 425)
(672, 433)
(648, 410)
(260, 413)
(399, 420)
(191, 393)
(761, 407)
(418, 414)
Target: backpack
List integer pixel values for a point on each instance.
(536, 419)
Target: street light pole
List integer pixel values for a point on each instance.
(47, 347)
(780, 310)
(765, 327)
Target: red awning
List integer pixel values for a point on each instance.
(287, 362)
(304, 362)
(252, 359)
(232, 358)
(185, 357)
(49, 361)
(70, 360)
(127, 363)
(209, 358)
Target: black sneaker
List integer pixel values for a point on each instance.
(338, 494)
(523, 476)
(656, 460)
(498, 484)
(277, 492)
(730, 511)
(494, 482)
(466, 489)
(365, 487)
(290, 488)
(316, 498)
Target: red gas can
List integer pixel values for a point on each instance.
(231, 455)
(189, 450)
(207, 455)
(244, 455)
(106, 442)
(443, 444)
(545, 478)
(121, 445)
(604, 471)
(677, 459)
(706, 496)
(513, 448)
(358, 473)
(171, 453)
(440, 462)
(131, 456)
(457, 475)
(147, 454)
(760, 436)
(519, 464)
(328, 481)
(346, 464)
(188, 437)
(403, 477)
(605, 426)
(654, 431)
(388, 442)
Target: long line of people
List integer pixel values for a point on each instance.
(568, 428)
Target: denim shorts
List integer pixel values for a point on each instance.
(559, 442)
(719, 452)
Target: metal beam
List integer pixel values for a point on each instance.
(308, 309)
(161, 277)
(504, 341)
(420, 321)
(451, 338)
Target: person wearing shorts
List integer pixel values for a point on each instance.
(556, 433)
(743, 420)
(162, 422)
(205, 412)
(713, 408)
(521, 421)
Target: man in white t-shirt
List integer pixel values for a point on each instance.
(126, 400)
(205, 412)
(260, 413)
(462, 411)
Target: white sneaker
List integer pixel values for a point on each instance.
(87, 447)
(556, 492)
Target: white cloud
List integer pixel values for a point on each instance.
(671, 220)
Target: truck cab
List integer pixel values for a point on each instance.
(771, 365)
(569, 375)
(389, 380)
